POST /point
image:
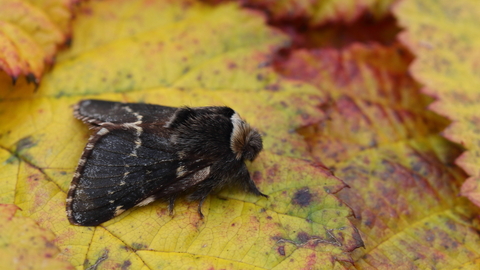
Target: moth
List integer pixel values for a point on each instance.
(139, 153)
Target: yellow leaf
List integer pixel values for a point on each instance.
(24, 245)
(30, 34)
(179, 53)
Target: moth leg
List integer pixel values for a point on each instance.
(252, 188)
(171, 205)
(200, 195)
(200, 203)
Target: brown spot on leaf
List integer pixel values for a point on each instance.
(281, 250)
(272, 171)
(272, 87)
(126, 264)
(137, 246)
(25, 143)
(257, 177)
(303, 237)
(302, 197)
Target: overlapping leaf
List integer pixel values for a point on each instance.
(30, 33)
(194, 55)
(315, 13)
(380, 139)
(443, 35)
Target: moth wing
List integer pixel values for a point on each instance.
(97, 112)
(115, 173)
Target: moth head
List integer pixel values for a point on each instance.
(245, 141)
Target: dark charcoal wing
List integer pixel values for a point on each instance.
(115, 173)
(95, 112)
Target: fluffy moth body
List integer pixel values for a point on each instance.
(140, 153)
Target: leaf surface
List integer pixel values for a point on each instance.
(443, 35)
(379, 138)
(24, 245)
(316, 13)
(195, 55)
(30, 33)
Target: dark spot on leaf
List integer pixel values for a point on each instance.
(259, 77)
(137, 246)
(451, 225)
(25, 143)
(281, 250)
(63, 172)
(302, 197)
(257, 177)
(276, 238)
(232, 65)
(429, 236)
(269, 217)
(272, 171)
(272, 87)
(126, 248)
(126, 264)
(33, 177)
(303, 237)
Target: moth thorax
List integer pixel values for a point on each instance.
(245, 141)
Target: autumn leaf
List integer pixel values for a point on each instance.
(195, 55)
(30, 33)
(443, 36)
(379, 138)
(24, 245)
(331, 114)
(314, 13)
